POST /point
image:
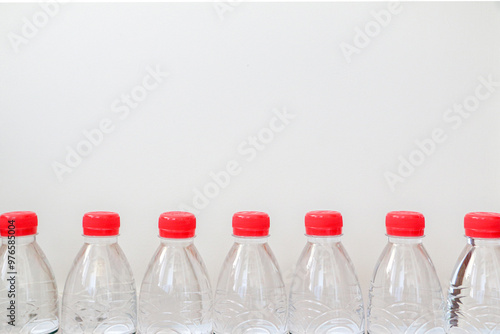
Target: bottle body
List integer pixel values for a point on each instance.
(325, 296)
(405, 293)
(175, 294)
(28, 291)
(474, 292)
(99, 295)
(250, 295)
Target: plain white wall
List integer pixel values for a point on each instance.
(359, 104)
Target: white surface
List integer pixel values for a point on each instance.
(227, 74)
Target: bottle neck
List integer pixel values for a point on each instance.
(405, 240)
(483, 241)
(330, 239)
(176, 242)
(250, 240)
(107, 240)
(24, 240)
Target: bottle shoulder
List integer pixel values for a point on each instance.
(325, 282)
(30, 262)
(97, 261)
(407, 266)
(252, 266)
(475, 263)
(176, 266)
(326, 265)
(255, 255)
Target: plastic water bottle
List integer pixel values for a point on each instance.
(28, 291)
(325, 296)
(100, 295)
(176, 296)
(250, 296)
(474, 293)
(405, 293)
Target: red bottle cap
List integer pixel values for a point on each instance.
(323, 223)
(405, 224)
(177, 225)
(482, 225)
(101, 224)
(251, 224)
(18, 223)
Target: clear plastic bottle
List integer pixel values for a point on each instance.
(99, 295)
(474, 293)
(28, 290)
(405, 293)
(325, 296)
(176, 296)
(250, 296)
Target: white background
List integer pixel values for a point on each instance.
(227, 73)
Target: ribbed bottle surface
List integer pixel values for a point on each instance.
(99, 295)
(175, 295)
(325, 296)
(405, 292)
(28, 290)
(250, 296)
(474, 292)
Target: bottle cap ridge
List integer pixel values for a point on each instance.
(21, 223)
(177, 225)
(101, 224)
(323, 223)
(251, 224)
(482, 225)
(405, 224)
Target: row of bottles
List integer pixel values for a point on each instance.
(176, 297)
